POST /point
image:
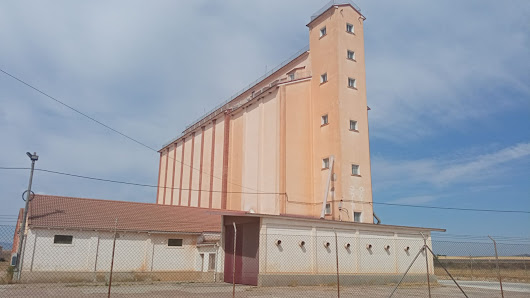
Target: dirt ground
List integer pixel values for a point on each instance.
(219, 290)
(5, 255)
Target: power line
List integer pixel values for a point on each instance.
(447, 208)
(265, 193)
(141, 184)
(110, 128)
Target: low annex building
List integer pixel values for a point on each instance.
(70, 239)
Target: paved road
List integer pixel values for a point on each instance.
(489, 285)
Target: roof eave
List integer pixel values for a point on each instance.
(335, 6)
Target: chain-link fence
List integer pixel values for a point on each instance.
(128, 264)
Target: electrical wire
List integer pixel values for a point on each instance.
(141, 184)
(265, 193)
(109, 127)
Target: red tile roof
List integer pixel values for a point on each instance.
(79, 213)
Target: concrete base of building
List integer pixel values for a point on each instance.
(72, 277)
(291, 280)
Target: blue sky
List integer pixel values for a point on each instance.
(448, 85)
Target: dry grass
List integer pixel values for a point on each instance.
(4, 276)
(515, 269)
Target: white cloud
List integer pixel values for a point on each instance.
(440, 173)
(437, 68)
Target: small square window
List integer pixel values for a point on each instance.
(351, 55)
(352, 83)
(328, 208)
(323, 78)
(353, 125)
(211, 262)
(63, 239)
(291, 76)
(349, 28)
(324, 120)
(357, 216)
(322, 31)
(325, 163)
(355, 170)
(174, 242)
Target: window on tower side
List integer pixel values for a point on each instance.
(325, 163)
(357, 216)
(352, 83)
(355, 170)
(324, 120)
(328, 208)
(350, 28)
(323, 78)
(322, 31)
(351, 55)
(353, 125)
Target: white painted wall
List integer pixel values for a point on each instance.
(135, 252)
(314, 257)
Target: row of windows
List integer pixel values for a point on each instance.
(352, 83)
(324, 120)
(68, 239)
(355, 169)
(356, 215)
(349, 29)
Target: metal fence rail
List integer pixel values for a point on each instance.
(290, 265)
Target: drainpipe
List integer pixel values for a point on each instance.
(377, 218)
(326, 191)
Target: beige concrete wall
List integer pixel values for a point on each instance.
(298, 153)
(163, 176)
(196, 173)
(341, 104)
(292, 258)
(206, 166)
(251, 156)
(91, 251)
(178, 169)
(269, 155)
(185, 193)
(353, 106)
(324, 100)
(171, 163)
(236, 155)
(218, 163)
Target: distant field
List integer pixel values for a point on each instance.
(515, 269)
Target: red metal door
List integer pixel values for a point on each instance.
(247, 257)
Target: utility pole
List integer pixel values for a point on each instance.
(22, 229)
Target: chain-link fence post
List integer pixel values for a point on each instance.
(497, 264)
(112, 258)
(337, 261)
(427, 264)
(471, 261)
(234, 263)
